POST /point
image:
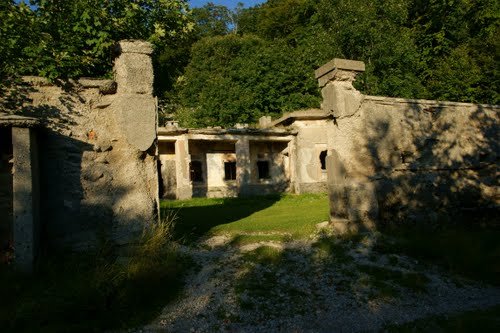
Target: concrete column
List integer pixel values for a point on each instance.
(182, 160)
(135, 102)
(243, 164)
(25, 197)
(292, 158)
(335, 78)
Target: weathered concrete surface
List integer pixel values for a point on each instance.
(26, 227)
(137, 119)
(98, 157)
(415, 160)
(6, 198)
(133, 68)
(210, 150)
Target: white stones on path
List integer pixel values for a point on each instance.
(304, 292)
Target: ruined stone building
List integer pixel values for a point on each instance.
(379, 158)
(285, 155)
(88, 164)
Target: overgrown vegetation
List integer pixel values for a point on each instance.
(415, 49)
(218, 66)
(94, 292)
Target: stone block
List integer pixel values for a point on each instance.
(134, 74)
(342, 64)
(137, 119)
(134, 46)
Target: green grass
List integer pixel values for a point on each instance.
(92, 292)
(293, 214)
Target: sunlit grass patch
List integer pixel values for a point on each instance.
(293, 214)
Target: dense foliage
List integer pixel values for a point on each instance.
(438, 49)
(61, 39)
(216, 66)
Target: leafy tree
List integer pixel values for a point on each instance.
(459, 48)
(75, 37)
(236, 79)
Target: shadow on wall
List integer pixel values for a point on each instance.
(193, 222)
(80, 189)
(437, 165)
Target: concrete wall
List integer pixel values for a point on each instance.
(311, 141)
(6, 198)
(98, 153)
(412, 160)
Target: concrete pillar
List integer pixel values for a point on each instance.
(243, 164)
(135, 101)
(182, 160)
(335, 78)
(25, 198)
(336, 188)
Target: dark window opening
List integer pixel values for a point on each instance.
(322, 159)
(195, 171)
(230, 170)
(263, 168)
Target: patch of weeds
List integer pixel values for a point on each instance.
(93, 292)
(272, 286)
(393, 260)
(264, 255)
(329, 247)
(416, 282)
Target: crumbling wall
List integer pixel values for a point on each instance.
(99, 178)
(411, 160)
(311, 141)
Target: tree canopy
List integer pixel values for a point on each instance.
(59, 39)
(216, 66)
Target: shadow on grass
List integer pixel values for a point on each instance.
(196, 217)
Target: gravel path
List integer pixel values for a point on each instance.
(306, 287)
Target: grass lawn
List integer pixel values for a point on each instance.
(286, 215)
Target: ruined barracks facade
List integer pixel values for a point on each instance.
(285, 155)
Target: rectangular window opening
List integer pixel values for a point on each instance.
(196, 171)
(229, 170)
(263, 169)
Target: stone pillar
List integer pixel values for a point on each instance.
(135, 102)
(243, 165)
(25, 198)
(335, 79)
(353, 205)
(182, 160)
(135, 153)
(339, 215)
